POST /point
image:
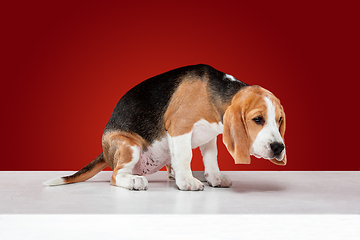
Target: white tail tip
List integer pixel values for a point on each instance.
(54, 182)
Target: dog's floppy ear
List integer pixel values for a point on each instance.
(235, 136)
(282, 133)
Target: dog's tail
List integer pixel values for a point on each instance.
(87, 172)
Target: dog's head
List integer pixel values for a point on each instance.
(254, 124)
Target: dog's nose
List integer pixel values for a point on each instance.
(277, 148)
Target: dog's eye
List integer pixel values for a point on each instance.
(259, 120)
(280, 120)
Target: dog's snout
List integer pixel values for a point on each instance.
(277, 148)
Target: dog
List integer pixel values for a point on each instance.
(159, 121)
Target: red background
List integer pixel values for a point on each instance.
(66, 64)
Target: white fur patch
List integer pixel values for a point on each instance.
(204, 131)
(268, 134)
(54, 182)
(156, 157)
(230, 77)
(181, 153)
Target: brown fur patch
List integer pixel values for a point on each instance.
(88, 171)
(190, 103)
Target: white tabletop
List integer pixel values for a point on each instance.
(252, 193)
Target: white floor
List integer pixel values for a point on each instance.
(251, 193)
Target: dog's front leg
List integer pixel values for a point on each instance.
(181, 155)
(212, 173)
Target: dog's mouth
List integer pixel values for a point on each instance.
(261, 156)
(256, 155)
(272, 157)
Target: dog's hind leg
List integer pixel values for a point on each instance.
(126, 158)
(124, 153)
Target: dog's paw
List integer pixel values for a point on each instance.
(131, 182)
(189, 184)
(218, 180)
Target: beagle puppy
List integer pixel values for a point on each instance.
(158, 123)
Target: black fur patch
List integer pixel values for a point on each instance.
(222, 88)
